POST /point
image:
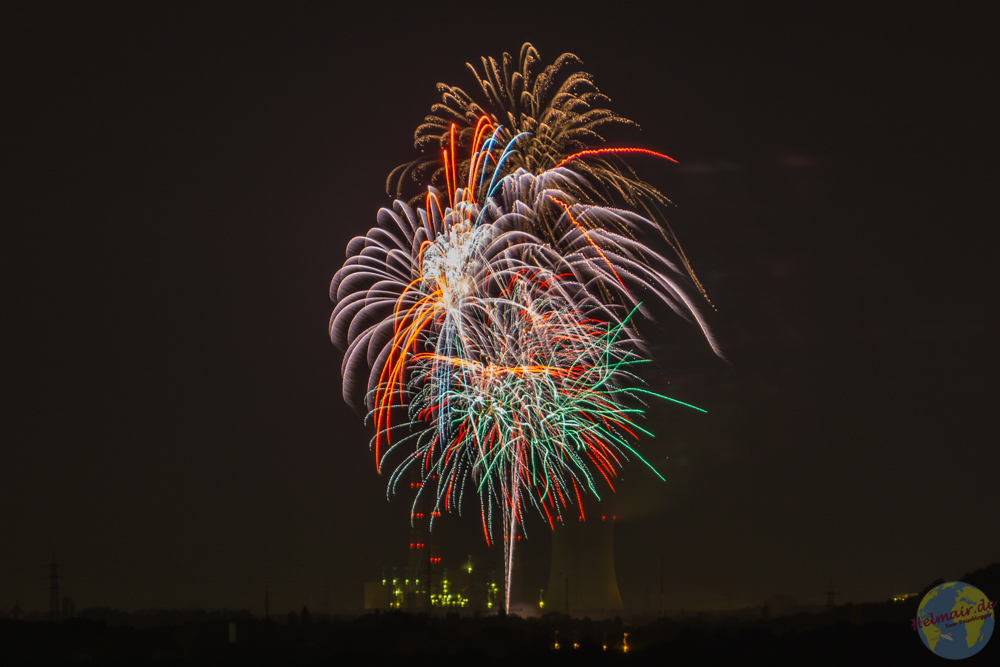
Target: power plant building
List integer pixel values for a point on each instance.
(582, 580)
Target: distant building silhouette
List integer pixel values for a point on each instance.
(830, 593)
(464, 587)
(425, 584)
(780, 604)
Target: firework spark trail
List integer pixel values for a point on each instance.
(498, 315)
(561, 112)
(534, 403)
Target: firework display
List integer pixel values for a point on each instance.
(488, 322)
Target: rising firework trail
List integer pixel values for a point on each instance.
(489, 322)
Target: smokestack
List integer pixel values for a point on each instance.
(661, 586)
(583, 568)
(54, 590)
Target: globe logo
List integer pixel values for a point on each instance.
(955, 620)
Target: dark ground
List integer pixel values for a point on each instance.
(399, 638)
(866, 634)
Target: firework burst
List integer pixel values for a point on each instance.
(488, 324)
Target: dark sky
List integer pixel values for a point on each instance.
(179, 184)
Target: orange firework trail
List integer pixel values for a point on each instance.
(611, 151)
(491, 343)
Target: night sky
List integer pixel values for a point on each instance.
(179, 185)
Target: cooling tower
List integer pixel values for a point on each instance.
(582, 579)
